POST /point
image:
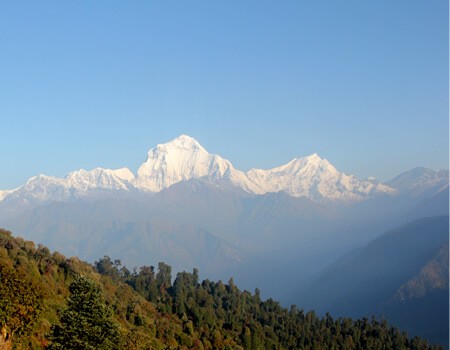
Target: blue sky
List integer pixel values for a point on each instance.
(98, 83)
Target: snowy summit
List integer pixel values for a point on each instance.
(184, 158)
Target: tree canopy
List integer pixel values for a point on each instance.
(47, 305)
(87, 322)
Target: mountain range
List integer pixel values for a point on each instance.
(272, 229)
(190, 195)
(184, 158)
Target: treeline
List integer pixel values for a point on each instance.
(221, 315)
(48, 301)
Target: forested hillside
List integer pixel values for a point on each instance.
(50, 301)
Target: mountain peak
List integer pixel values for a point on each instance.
(185, 138)
(183, 158)
(180, 159)
(420, 180)
(313, 160)
(181, 142)
(314, 157)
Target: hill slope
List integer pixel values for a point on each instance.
(152, 313)
(401, 274)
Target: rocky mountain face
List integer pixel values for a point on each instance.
(183, 159)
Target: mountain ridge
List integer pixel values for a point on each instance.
(402, 267)
(184, 158)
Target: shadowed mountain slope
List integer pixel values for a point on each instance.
(403, 273)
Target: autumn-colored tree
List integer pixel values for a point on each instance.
(20, 303)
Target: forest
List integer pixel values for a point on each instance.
(49, 301)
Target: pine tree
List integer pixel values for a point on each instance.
(86, 324)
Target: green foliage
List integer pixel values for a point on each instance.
(86, 324)
(223, 317)
(21, 296)
(20, 301)
(42, 294)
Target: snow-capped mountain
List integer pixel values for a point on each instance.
(76, 183)
(420, 181)
(5, 193)
(184, 158)
(314, 178)
(191, 208)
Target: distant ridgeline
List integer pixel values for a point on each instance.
(48, 301)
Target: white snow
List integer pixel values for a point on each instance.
(5, 193)
(184, 158)
(81, 182)
(419, 178)
(314, 178)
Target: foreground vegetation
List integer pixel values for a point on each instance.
(48, 301)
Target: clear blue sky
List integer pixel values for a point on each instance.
(98, 83)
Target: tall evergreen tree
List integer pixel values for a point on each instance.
(86, 324)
